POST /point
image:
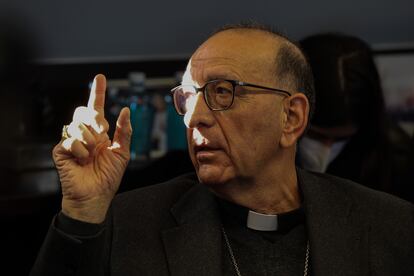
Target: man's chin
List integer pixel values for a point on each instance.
(211, 175)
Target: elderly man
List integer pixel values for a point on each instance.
(245, 98)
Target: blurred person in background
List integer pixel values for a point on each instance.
(351, 135)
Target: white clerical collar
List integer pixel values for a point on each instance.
(261, 222)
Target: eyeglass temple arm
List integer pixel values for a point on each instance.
(264, 87)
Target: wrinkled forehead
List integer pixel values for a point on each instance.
(242, 55)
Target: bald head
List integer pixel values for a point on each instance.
(266, 53)
(251, 51)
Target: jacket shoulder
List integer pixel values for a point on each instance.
(378, 209)
(155, 197)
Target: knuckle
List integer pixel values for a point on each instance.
(100, 119)
(100, 125)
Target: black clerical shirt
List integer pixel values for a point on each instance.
(280, 252)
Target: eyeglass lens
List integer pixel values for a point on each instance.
(218, 96)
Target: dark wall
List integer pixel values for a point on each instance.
(145, 29)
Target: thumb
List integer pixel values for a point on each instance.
(123, 131)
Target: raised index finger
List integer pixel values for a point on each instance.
(97, 96)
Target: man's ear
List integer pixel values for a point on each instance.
(295, 120)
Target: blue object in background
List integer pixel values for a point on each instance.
(142, 116)
(176, 133)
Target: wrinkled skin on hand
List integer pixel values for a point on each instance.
(89, 164)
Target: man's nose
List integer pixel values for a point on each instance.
(198, 114)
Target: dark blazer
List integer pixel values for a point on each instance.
(174, 229)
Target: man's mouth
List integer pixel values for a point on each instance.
(205, 152)
(203, 148)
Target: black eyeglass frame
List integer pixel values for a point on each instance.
(234, 83)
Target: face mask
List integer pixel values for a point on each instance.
(316, 156)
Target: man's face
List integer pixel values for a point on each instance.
(238, 143)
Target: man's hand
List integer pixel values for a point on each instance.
(90, 166)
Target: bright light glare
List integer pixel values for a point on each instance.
(198, 137)
(75, 132)
(67, 143)
(114, 146)
(187, 78)
(88, 117)
(192, 100)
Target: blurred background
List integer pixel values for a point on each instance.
(51, 50)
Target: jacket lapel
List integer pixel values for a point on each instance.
(194, 246)
(337, 238)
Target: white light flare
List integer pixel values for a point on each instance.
(198, 138)
(114, 146)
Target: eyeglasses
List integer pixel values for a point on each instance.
(218, 94)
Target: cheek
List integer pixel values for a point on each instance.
(253, 136)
